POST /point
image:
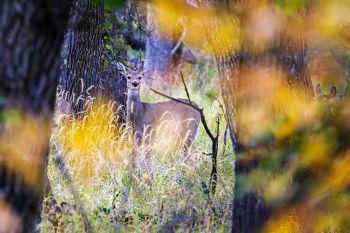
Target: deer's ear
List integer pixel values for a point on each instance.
(121, 68)
(332, 91)
(318, 90)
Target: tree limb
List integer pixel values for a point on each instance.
(214, 139)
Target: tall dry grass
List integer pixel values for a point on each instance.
(125, 192)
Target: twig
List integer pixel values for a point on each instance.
(225, 139)
(214, 171)
(183, 81)
(207, 154)
(177, 100)
(226, 128)
(214, 139)
(200, 110)
(59, 162)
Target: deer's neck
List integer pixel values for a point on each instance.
(134, 108)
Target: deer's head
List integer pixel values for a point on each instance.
(133, 77)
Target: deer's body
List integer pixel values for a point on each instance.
(179, 120)
(175, 121)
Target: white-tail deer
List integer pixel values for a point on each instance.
(170, 120)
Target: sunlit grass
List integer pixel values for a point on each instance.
(299, 141)
(133, 194)
(128, 192)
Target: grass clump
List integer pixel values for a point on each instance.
(123, 194)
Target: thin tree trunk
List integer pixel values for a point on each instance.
(159, 57)
(31, 34)
(79, 79)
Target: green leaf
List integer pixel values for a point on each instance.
(212, 94)
(114, 3)
(121, 24)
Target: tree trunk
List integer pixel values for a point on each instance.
(31, 34)
(79, 79)
(159, 58)
(249, 210)
(113, 82)
(227, 68)
(288, 53)
(295, 63)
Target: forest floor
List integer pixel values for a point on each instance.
(171, 193)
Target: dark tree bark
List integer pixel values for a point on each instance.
(229, 89)
(113, 83)
(294, 48)
(79, 79)
(288, 53)
(31, 34)
(114, 88)
(249, 210)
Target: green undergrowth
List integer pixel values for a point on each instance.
(168, 191)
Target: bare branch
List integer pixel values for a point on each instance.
(200, 110)
(214, 139)
(183, 81)
(177, 100)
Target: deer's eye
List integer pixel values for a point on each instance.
(128, 77)
(140, 77)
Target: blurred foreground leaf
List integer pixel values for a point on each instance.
(8, 114)
(290, 8)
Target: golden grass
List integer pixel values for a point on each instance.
(148, 193)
